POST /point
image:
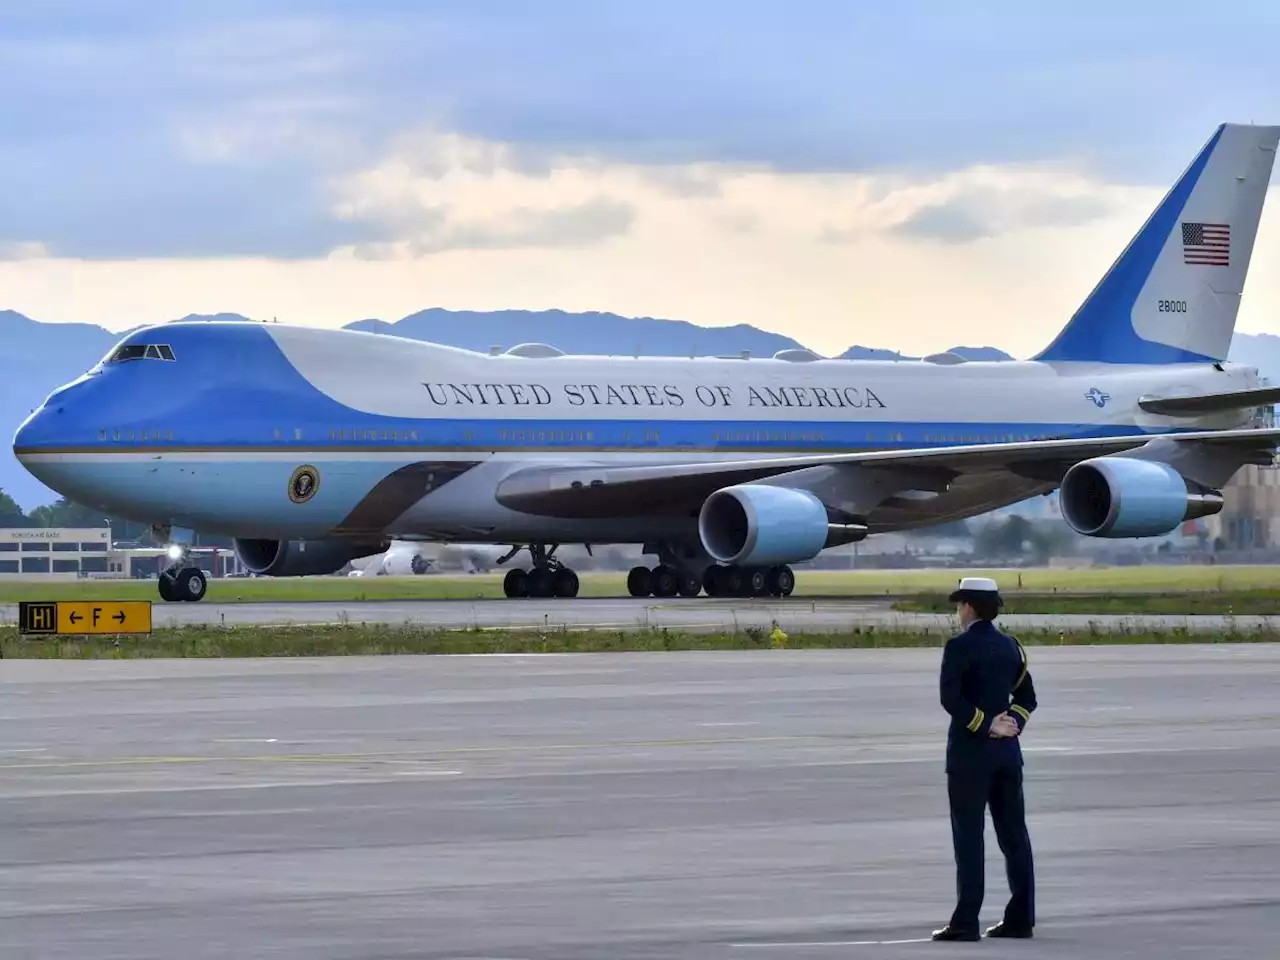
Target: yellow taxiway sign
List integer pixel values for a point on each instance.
(82, 617)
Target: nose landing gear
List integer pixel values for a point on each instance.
(180, 582)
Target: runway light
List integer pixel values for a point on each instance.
(175, 552)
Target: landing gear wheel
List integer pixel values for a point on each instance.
(665, 581)
(713, 579)
(165, 584)
(757, 582)
(192, 585)
(565, 583)
(541, 582)
(735, 582)
(516, 583)
(639, 582)
(781, 581)
(690, 586)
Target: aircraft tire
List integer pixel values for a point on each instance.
(690, 586)
(565, 583)
(666, 582)
(639, 582)
(734, 583)
(541, 582)
(166, 585)
(757, 584)
(516, 583)
(713, 580)
(190, 585)
(781, 581)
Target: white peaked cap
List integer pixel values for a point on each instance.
(979, 584)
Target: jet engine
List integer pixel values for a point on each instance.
(758, 525)
(301, 558)
(1124, 497)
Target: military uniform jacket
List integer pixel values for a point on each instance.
(984, 674)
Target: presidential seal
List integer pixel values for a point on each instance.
(304, 483)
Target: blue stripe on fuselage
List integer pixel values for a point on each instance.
(231, 388)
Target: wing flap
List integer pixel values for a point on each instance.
(604, 490)
(1197, 405)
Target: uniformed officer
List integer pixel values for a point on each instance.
(986, 688)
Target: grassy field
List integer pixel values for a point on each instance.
(1095, 581)
(1186, 603)
(349, 640)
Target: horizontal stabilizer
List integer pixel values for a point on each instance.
(1193, 406)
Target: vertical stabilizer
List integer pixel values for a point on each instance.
(1173, 295)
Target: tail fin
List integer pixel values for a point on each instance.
(1173, 295)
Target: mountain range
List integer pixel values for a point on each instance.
(37, 357)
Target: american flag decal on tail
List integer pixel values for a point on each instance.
(1206, 244)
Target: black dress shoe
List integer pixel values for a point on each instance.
(1003, 929)
(951, 933)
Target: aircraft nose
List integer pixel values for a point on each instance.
(27, 436)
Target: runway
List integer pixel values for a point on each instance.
(777, 804)
(702, 614)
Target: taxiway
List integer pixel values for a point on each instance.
(699, 614)
(777, 804)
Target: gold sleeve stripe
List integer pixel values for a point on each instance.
(976, 722)
(1021, 711)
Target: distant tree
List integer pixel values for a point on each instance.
(1016, 536)
(957, 529)
(67, 513)
(11, 514)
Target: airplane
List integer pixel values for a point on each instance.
(405, 558)
(312, 447)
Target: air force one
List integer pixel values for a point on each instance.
(415, 558)
(314, 447)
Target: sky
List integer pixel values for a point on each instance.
(909, 175)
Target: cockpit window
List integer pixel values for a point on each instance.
(141, 351)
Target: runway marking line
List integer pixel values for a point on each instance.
(833, 943)
(399, 756)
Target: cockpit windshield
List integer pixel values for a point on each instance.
(141, 351)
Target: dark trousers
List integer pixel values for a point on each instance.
(969, 794)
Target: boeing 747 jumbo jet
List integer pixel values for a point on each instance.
(315, 447)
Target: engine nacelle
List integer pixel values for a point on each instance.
(760, 525)
(301, 558)
(1124, 497)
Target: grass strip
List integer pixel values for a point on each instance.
(1203, 580)
(1182, 603)
(382, 639)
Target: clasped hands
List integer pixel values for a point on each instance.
(1004, 726)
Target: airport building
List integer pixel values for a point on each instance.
(71, 552)
(1250, 516)
(66, 550)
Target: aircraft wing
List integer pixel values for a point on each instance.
(1193, 406)
(603, 490)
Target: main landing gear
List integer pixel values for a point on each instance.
(547, 578)
(665, 580)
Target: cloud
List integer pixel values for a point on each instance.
(982, 212)
(19, 250)
(191, 130)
